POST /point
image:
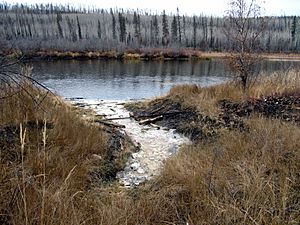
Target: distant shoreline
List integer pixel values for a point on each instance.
(141, 55)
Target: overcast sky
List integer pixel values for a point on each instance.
(190, 7)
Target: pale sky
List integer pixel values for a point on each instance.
(190, 7)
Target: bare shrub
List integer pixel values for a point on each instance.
(243, 28)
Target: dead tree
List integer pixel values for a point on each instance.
(243, 28)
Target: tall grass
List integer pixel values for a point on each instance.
(244, 178)
(205, 98)
(50, 175)
(55, 158)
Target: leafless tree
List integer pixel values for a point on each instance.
(33, 28)
(244, 27)
(15, 80)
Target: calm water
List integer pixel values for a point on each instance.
(116, 80)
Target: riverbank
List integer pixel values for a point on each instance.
(164, 54)
(202, 113)
(62, 171)
(244, 163)
(148, 161)
(49, 151)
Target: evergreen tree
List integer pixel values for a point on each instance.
(99, 30)
(137, 27)
(151, 33)
(194, 31)
(179, 25)
(184, 30)
(204, 28)
(174, 29)
(58, 20)
(79, 29)
(156, 30)
(114, 34)
(165, 29)
(122, 23)
(293, 29)
(211, 41)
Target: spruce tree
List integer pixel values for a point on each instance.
(122, 24)
(156, 30)
(174, 29)
(194, 31)
(179, 25)
(114, 34)
(79, 29)
(137, 26)
(165, 29)
(99, 30)
(293, 29)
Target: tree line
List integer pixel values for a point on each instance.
(67, 28)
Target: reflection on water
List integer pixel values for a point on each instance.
(117, 80)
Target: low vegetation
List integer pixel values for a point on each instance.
(56, 168)
(131, 54)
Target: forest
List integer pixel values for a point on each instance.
(32, 28)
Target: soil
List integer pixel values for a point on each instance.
(285, 107)
(154, 144)
(198, 126)
(185, 120)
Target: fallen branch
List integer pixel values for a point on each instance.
(157, 115)
(116, 118)
(151, 120)
(110, 124)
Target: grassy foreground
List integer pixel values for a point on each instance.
(56, 173)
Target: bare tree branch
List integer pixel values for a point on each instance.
(243, 30)
(13, 80)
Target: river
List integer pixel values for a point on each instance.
(124, 80)
(105, 86)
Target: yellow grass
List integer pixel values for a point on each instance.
(63, 151)
(243, 178)
(47, 176)
(206, 98)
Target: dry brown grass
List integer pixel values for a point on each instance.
(45, 160)
(244, 177)
(205, 98)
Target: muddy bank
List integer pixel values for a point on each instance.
(285, 107)
(161, 54)
(154, 144)
(140, 54)
(188, 121)
(120, 144)
(185, 120)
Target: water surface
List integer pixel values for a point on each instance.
(118, 80)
